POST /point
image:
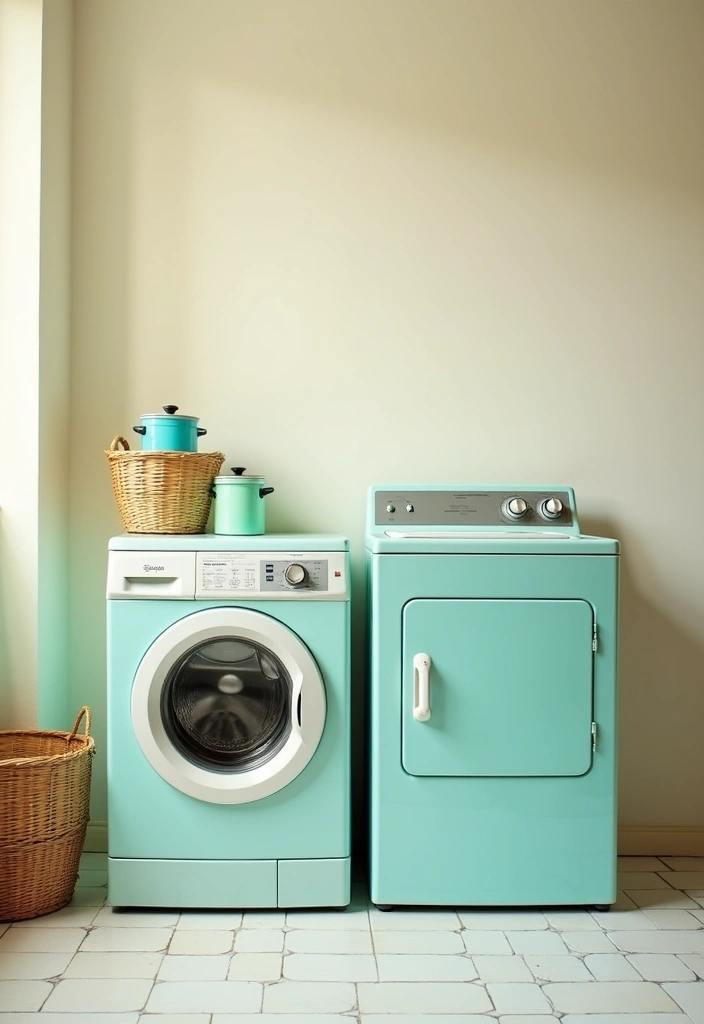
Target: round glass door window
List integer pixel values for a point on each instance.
(228, 705)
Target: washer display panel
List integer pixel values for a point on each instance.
(228, 705)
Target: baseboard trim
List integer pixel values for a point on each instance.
(96, 837)
(633, 840)
(661, 841)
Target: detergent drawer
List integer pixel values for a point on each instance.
(497, 687)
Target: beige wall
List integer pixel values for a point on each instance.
(398, 240)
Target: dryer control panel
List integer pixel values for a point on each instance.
(469, 508)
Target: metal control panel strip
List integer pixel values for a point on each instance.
(472, 508)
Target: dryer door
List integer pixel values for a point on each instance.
(228, 705)
(505, 687)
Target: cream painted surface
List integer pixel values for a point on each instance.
(54, 367)
(20, 149)
(35, 189)
(379, 240)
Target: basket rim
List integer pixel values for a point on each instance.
(173, 456)
(33, 759)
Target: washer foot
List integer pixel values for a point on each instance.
(602, 907)
(384, 906)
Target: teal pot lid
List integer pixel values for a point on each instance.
(169, 413)
(238, 477)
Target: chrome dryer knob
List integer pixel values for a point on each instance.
(295, 574)
(516, 508)
(551, 508)
(390, 507)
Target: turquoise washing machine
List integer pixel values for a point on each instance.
(493, 627)
(228, 721)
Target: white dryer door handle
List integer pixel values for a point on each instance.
(421, 687)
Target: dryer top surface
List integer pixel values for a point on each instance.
(484, 543)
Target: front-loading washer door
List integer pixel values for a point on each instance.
(497, 687)
(228, 705)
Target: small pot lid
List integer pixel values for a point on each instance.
(238, 477)
(169, 413)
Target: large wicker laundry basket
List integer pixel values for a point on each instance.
(44, 807)
(162, 492)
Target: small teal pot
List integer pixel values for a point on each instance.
(240, 509)
(167, 432)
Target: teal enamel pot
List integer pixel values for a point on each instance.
(240, 509)
(167, 432)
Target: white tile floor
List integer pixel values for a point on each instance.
(642, 963)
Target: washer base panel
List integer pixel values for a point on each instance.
(224, 884)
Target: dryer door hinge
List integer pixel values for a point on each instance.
(593, 736)
(595, 639)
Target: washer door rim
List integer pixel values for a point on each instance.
(307, 688)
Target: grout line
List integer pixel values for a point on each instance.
(149, 994)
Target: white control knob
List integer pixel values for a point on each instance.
(551, 508)
(390, 508)
(516, 508)
(295, 574)
(410, 508)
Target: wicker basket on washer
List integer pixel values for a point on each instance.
(44, 807)
(162, 491)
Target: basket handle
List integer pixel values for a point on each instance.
(117, 442)
(85, 711)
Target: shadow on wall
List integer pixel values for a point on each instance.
(661, 667)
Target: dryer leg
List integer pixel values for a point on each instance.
(384, 906)
(602, 907)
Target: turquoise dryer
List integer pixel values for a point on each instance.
(493, 690)
(228, 721)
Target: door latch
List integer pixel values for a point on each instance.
(421, 687)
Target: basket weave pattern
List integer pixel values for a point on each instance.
(162, 492)
(44, 808)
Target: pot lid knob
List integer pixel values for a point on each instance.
(238, 470)
(170, 409)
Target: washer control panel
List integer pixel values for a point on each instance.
(276, 574)
(522, 507)
(301, 575)
(227, 575)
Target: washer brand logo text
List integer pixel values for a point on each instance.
(153, 568)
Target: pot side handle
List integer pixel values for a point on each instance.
(200, 431)
(140, 430)
(263, 491)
